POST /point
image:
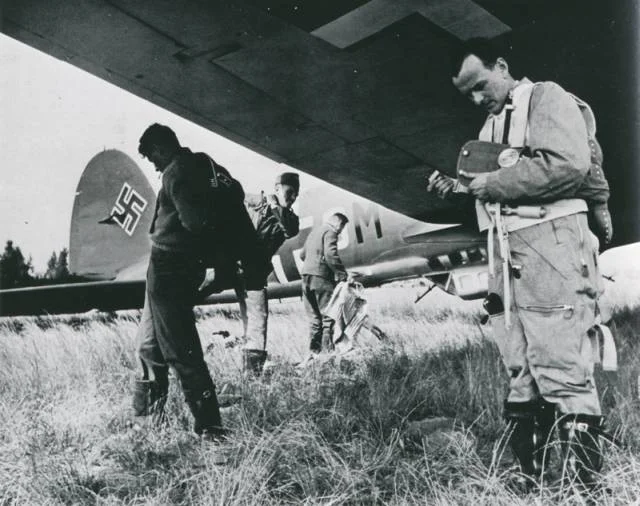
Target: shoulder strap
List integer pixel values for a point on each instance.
(322, 257)
(587, 114)
(213, 176)
(219, 175)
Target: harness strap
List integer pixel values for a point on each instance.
(494, 211)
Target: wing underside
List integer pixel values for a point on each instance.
(356, 92)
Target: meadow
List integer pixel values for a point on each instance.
(413, 419)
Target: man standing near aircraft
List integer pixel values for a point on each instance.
(552, 279)
(274, 221)
(197, 203)
(321, 271)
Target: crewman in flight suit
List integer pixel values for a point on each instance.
(321, 271)
(553, 281)
(200, 223)
(275, 222)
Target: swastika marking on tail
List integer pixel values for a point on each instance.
(128, 209)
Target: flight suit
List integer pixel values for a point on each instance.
(547, 350)
(188, 234)
(321, 271)
(273, 225)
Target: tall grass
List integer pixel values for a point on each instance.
(412, 420)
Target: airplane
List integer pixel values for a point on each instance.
(354, 92)
(109, 246)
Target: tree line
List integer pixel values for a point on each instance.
(17, 271)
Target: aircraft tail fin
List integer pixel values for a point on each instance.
(112, 213)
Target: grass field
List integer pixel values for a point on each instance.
(413, 420)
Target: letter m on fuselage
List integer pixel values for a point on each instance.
(362, 218)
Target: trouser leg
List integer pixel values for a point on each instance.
(512, 344)
(186, 357)
(152, 385)
(323, 292)
(314, 315)
(241, 295)
(173, 283)
(257, 317)
(556, 305)
(254, 355)
(148, 348)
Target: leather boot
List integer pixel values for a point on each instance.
(327, 335)
(544, 433)
(206, 413)
(253, 361)
(521, 427)
(150, 395)
(581, 448)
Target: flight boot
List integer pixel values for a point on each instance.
(530, 425)
(206, 413)
(253, 361)
(327, 337)
(150, 394)
(544, 433)
(581, 447)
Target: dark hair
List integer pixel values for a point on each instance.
(157, 135)
(289, 178)
(339, 216)
(487, 50)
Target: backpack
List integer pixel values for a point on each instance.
(231, 243)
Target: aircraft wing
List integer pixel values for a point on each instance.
(72, 298)
(103, 296)
(356, 92)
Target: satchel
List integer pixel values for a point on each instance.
(481, 156)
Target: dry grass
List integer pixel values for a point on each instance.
(342, 432)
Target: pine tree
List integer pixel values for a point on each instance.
(51, 266)
(62, 265)
(14, 271)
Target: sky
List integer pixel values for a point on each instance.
(54, 118)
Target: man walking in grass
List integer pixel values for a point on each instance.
(199, 222)
(321, 271)
(542, 312)
(275, 222)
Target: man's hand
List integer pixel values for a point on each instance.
(272, 200)
(478, 185)
(353, 276)
(341, 276)
(441, 185)
(209, 277)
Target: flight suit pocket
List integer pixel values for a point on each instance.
(559, 350)
(510, 342)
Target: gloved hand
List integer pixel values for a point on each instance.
(478, 185)
(341, 276)
(353, 277)
(272, 200)
(440, 184)
(209, 277)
